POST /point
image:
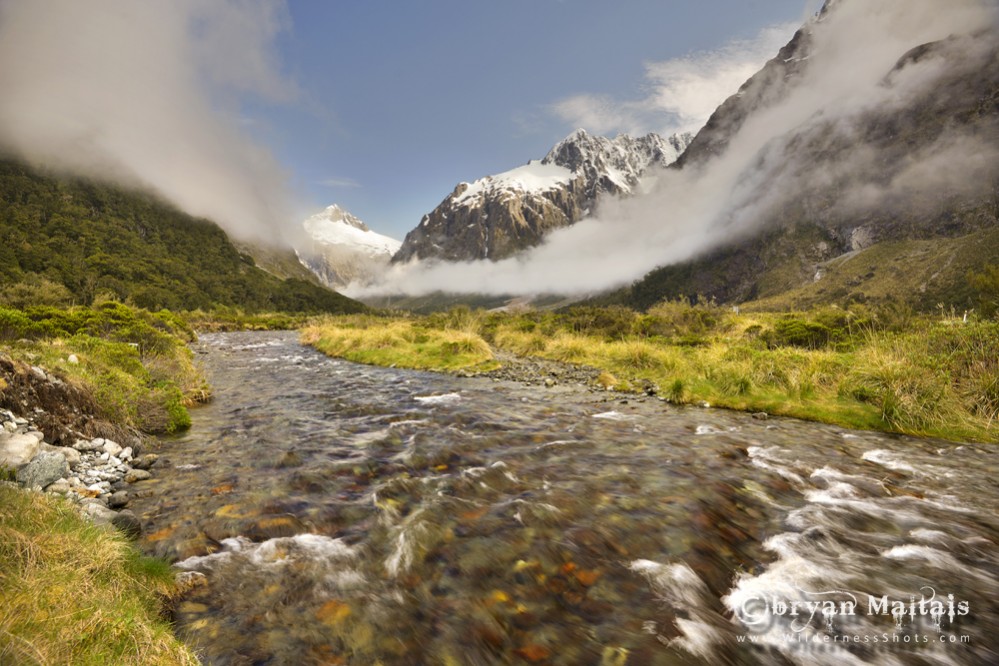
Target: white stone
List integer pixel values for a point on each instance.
(126, 453)
(73, 359)
(60, 487)
(17, 450)
(112, 448)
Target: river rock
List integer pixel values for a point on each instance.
(43, 470)
(136, 475)
(71, 455)
(17, 450)
(146, 461)
(59, 487)
(93, 445)
(112, 448)
(97, 512)
(118, 499)
(128, 523)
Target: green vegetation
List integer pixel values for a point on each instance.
(884, 369)
(434, 343)
(76, 593)
(135, 363)
(785, 272)
(65, 241)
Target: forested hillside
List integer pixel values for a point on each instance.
(66, 240)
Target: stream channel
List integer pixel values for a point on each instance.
(348, 514)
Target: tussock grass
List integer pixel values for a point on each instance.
(858, 367)
(404, 343)
(75, 593)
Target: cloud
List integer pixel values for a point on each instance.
(335, 183)
(148, 94)
(681, 93)
(803, 141)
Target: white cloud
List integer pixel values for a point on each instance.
(340, 183)
(148, 93)
(680, 93)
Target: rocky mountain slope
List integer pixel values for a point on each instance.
(497, 216)
(855, 185)
(342, 249)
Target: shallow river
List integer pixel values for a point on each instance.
(346, 514)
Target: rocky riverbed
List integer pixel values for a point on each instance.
(52, 440)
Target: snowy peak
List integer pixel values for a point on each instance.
(336, 214)
(618, 163)
(336, 226)
(341, 249)
(535, 177)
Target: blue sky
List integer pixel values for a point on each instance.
(394, 103)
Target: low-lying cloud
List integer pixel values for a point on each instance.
(147, 94)
(684, 213)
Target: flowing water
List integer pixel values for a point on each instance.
(347, 514)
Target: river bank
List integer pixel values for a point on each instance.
(75, 589)
(854, 368)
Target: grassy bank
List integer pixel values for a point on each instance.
(74, 593)
(418, 343)
(135, 363)
(887, 370)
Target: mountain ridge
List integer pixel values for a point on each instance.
(497, 216)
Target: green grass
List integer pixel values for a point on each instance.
(860, 367)
(75, 593)
(404, 343)
(135, 364)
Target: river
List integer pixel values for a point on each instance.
(347, 514)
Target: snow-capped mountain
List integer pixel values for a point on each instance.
(342, 249)
(499, 215)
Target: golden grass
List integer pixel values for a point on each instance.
(75, 593)
(933, 380)
(400, 343)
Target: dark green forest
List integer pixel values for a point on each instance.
(70, 241)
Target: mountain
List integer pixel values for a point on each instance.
(74, 240)
(497, 216)
(342, 249)
(899, 187)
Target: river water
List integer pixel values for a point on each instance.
(346, 514)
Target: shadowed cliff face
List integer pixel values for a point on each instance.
(921, 162)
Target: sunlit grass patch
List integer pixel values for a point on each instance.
(75, 593)
(400, 343)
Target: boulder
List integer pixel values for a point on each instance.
(45, 469)
(17, 450)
